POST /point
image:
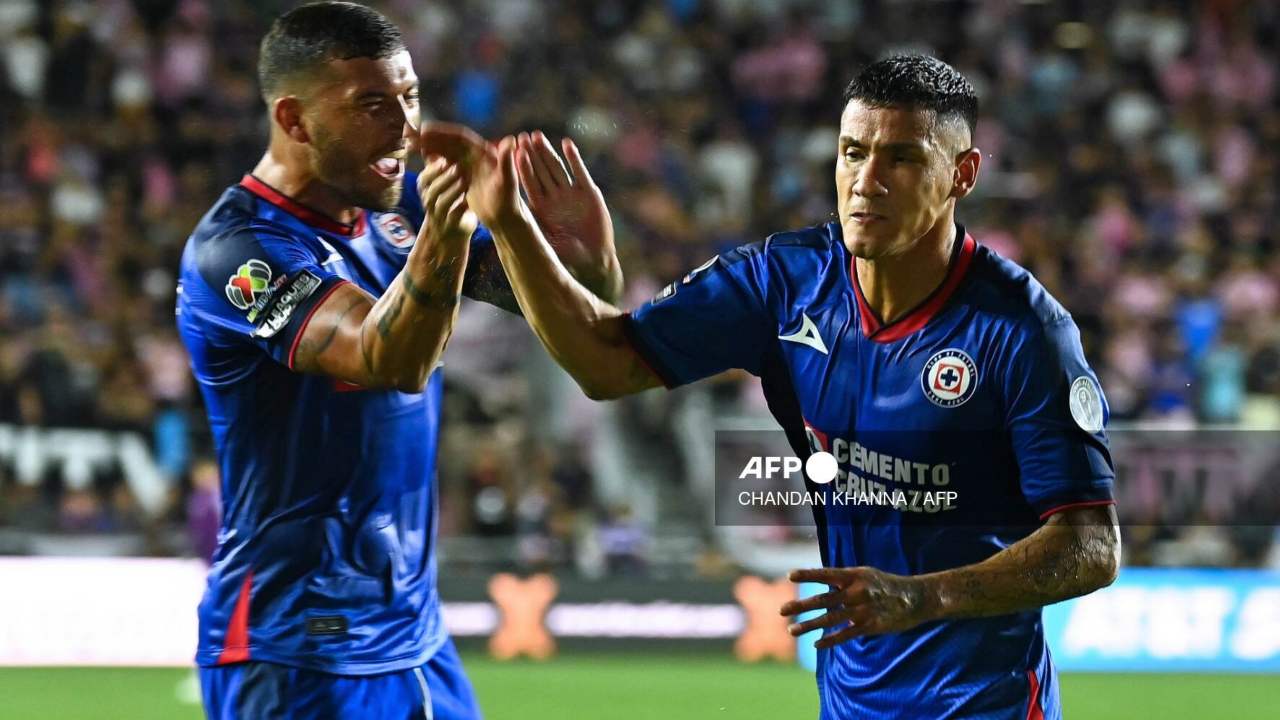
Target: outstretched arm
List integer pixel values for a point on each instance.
(582, 332)
(1074, 553)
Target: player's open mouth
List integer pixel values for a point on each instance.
(390, 167)
(863, 218)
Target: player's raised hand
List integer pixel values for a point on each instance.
(568, 206)
(442, 188)
(493, 191)
(870, 601)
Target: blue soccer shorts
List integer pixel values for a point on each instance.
(437, 690)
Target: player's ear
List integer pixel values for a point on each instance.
(286, 113)
(965, 175)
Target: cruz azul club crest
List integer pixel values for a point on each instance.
(949, 378)
(397, 229)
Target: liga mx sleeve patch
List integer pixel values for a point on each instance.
(250, 282)
(257, 285)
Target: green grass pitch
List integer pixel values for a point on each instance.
(633, 687)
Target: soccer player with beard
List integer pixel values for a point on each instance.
(943, 378)
(315, 299)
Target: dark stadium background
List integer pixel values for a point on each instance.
(1131, 166)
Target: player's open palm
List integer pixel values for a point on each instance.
(569, 207)
(864, 600)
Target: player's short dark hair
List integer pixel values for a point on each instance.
(305, 38)
(917, 82)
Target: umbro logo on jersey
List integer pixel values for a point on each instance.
(807, 335)
(949, 378)
(334, 255)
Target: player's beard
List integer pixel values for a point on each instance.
(349, 174)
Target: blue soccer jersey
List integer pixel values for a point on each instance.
(326, 554)
(957, 430)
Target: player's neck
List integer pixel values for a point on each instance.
(894, 285)
(294, 181)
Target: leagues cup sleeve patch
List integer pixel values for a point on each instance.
(287, 300)
(1086, 404)
(248, 283)
(949, 378)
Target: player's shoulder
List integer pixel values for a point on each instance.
(234, 245)
(232, 231)
(792, 252)
(1010, 293)
(781, 259)
(818, 239)
(781, 245)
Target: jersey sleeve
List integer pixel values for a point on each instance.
(1056, 418)
(485, 279)
(715, 319)
(260, 287)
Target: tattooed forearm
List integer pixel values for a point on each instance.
(486, 281)
(393, 341)
(405, 332)
(1073, 554)
(389, 316)
(443, 293)
(419, 296)
(365, 354)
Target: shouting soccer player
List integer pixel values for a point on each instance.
(926, 364)
(316, 298)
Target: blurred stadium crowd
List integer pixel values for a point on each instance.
(1130, 165)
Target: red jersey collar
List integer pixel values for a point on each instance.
(961, 258)
(311, 217)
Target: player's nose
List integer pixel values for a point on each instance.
(409, 115)
(867, 182)
(410, 135)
